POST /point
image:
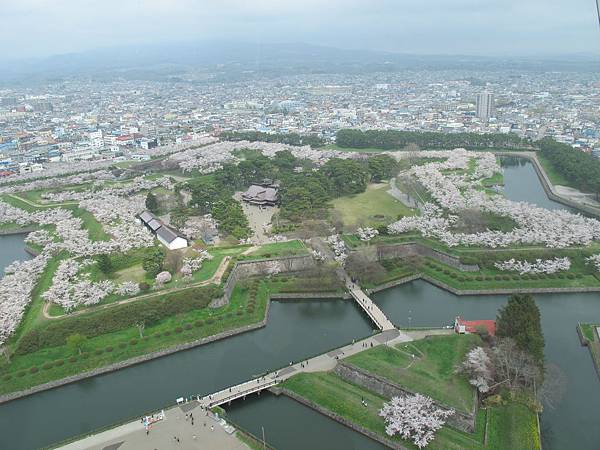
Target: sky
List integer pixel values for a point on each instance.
(34, 28)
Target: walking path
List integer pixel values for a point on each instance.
(206, 432)
(42, 205)
(324, 362)
(372, 310)
(214, 279)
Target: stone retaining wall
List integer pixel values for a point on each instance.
(24, 230)
(372, 382)
(508, 291)
(376, 437)
(404, 250)
(246, 269)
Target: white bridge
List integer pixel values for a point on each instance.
(239, 391)
(368, 306)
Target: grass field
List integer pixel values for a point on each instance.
(278, 249)
(511, 427)
(340, 397)
(373, 207)
(113, 347)
(432, 372)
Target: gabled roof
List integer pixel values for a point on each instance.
(167, 234)
(154, 224)
(472, 325)
(147, 216)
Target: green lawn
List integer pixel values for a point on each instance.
(432, 372)
(340, 397)
(113, 347)
(511, 427)
(277, 249)
(374, 207)
(587, 330)
(134, 273)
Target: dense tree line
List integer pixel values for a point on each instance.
(579, 168)
(520, 321)
(304, 189)
(396, 140)
(281, 138)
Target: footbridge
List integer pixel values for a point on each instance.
(368, 306)
(324, 362)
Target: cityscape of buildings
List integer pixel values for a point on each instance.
(79, 119)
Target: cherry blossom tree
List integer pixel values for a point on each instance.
(479, 368)
(162, 278)
(414, 417)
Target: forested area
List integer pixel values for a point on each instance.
(281, 138)
(396, 140)
(304, 189)
(579, 168)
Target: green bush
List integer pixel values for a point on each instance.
(98, 351)
(116, 318)
(58, 362)
(199, 323)
(34, 370)
(21, 373)
(109, 349)
(7, 377)
(178, 330)
(167, 333)
(72, 359)
(122, 345)
(133, 342)
(47, 365)
(188, 326)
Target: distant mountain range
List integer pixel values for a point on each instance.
(233, 60)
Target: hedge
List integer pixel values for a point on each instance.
(117, 318)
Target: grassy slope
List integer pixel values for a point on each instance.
(340, 397)
(361, 209)
(276, 249)
(224, 318)
(553, 174)
(431, 373)
(510, 427)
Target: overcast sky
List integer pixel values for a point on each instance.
(482, 27)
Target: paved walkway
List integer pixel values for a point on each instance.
(368, 306)
(324, 362)
(207, 432)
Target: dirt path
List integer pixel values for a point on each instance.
(215, 279)
(41, 205)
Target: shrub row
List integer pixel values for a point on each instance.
(109, 320)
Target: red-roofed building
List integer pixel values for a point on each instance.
(471, 326)
(5, 173)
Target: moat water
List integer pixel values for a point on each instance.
(300, 329)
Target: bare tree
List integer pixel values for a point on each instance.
(514, 366)
(140, 326)
(363, 265)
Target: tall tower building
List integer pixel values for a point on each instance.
(485, 105)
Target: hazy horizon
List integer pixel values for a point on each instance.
(42, 28)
